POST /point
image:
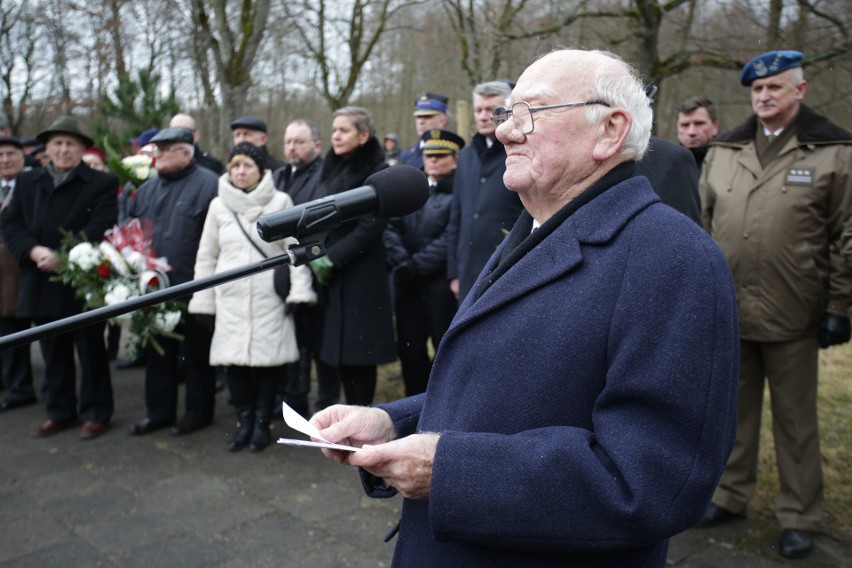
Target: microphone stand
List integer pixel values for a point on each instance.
(294, 257)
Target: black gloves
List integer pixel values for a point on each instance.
(834, 330)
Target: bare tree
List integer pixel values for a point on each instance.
(18, 37)
(230, 37)
(339, 38)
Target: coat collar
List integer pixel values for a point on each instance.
(249, 205)
(811, 128)
(595, 223)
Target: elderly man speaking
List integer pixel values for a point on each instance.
(582, 404)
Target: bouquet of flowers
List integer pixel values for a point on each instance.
(121, 267)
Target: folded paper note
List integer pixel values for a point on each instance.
(295, 421)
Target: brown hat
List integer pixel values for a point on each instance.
(65, 125)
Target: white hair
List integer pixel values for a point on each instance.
(619, 86)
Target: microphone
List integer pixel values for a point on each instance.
(392, 192)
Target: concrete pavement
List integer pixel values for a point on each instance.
(158, 500)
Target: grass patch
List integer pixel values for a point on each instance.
(835, 425)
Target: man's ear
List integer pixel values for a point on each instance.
(613, 131)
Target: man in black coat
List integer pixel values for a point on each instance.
(299, 179)
(673, 175)
(66, 195)
(303, 151)
(176, 202)
(483, 209)
(417, 253)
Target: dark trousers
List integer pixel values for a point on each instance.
(95, 401)
(359, 381)
(16, 369)
(423, 311)
(161, 374)
(253, 387)
(295, 382)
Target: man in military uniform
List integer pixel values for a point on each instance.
(430, 113)
(776, 195)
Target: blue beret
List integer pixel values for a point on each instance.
(770, 64)
(429, 104)
(250, 122)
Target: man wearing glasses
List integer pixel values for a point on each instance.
(582, 403)
(176, 202)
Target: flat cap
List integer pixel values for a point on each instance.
(11, 141)
(429, 104)
(770, 64)
(165, 135)
(441, 143)
(250, 122)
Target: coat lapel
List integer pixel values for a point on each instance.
(596, 223)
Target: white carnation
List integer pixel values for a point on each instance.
(84, 256)
(116, 293)
(167, 321)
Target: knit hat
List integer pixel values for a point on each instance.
(250, 151)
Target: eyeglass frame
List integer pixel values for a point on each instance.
(505, 113)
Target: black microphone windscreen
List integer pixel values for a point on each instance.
(400, 190)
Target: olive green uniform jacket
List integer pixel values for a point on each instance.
(781, 227)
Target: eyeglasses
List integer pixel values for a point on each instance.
(522, 113)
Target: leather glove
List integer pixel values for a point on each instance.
(405, 272)
(322, 268)
(834, 330)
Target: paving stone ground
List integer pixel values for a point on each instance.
(161, 501)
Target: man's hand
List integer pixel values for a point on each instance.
(405, 464)
(352, 426)
(454, 287)
(44, 258)
(834, 330)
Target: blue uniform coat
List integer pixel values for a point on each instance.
(586, 400)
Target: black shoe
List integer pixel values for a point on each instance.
(241, 437)
(188, 425)
(10, 403)
(715, 515)
(795, 544)
(146, 426)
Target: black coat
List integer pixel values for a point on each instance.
(177, 205)
(304, 186)
(356, 305)
(206, 160)
(673, 174)
(421, 237)
(85, 202)
(483, 211)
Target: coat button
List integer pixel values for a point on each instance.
(482, 180)
(745, 235)
(729, 189)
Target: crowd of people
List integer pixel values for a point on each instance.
(585, 315)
